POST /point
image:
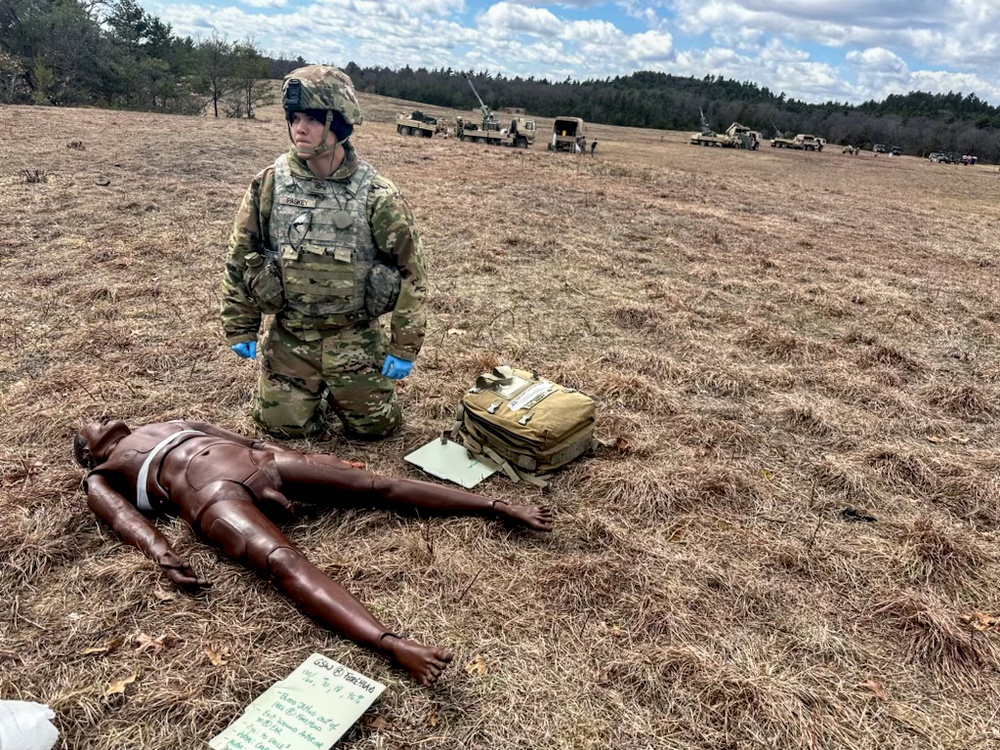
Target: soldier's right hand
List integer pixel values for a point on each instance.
(246, 350)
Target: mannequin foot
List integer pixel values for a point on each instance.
(424, 663)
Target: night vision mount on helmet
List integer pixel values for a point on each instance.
(321, 87)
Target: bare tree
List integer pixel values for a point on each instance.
(215, 67)
(251, 86)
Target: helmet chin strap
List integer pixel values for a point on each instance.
(322, 147)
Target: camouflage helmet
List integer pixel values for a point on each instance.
(321, 87)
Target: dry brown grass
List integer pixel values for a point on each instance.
(773, 337)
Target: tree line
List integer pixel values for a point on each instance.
(112, 53)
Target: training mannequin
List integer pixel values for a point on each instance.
(223, 484)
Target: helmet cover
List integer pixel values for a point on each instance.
(321, 87)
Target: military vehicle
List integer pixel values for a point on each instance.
(568, 134)
(707, 137)
(519, 134)
(417, 123)
(802, 142)
(737, 135)
(745, 137)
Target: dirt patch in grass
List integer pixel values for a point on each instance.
(785, 543)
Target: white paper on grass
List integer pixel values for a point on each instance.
(450, 461)
(25, 725)
(308, 710)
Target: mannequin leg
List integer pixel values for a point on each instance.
(243, 532)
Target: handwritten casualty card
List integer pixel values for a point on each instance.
(308, 710)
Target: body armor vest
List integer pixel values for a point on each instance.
(319, 231)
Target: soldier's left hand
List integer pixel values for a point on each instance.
(396, 368)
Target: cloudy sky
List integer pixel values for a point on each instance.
(842, 50)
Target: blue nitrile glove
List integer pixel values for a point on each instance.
(246, 350)
(396, 368)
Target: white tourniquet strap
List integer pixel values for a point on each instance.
(141, 498)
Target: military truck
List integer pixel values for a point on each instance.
(519, 134)
(417, 123)
(802, 142)
(568, 134)
(743, 136)
(708, 137)
(737, 135)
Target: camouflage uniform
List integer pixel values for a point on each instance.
(316, 356)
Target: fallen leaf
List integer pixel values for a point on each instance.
(984, 622)
(455, 331)
(148, 643)
(477, 666)
(218, 656)
(876, 688)
(935, 439)
(105, 649)
(432, 718)
(961, 439)
(163, 596)
(118, 686)
(378, 722)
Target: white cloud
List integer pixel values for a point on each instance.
(520, 19)
(956, 33)
(877, 60)
(598, 32)
(650, 46)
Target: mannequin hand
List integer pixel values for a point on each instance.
(396, 368)
(177, 569)
(246, 350)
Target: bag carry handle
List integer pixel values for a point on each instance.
(499, 375)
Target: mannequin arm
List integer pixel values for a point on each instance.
(135, 529)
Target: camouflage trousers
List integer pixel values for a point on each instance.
(302, 381)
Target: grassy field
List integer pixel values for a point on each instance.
(791, 542)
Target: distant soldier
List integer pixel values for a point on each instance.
(326, 245)
(593, 147)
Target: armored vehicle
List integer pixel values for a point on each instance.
(417, 123)
(743, 136)
(737, 135)
(802, 142)
(706, 137)
(519, 134)
(568, 134)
